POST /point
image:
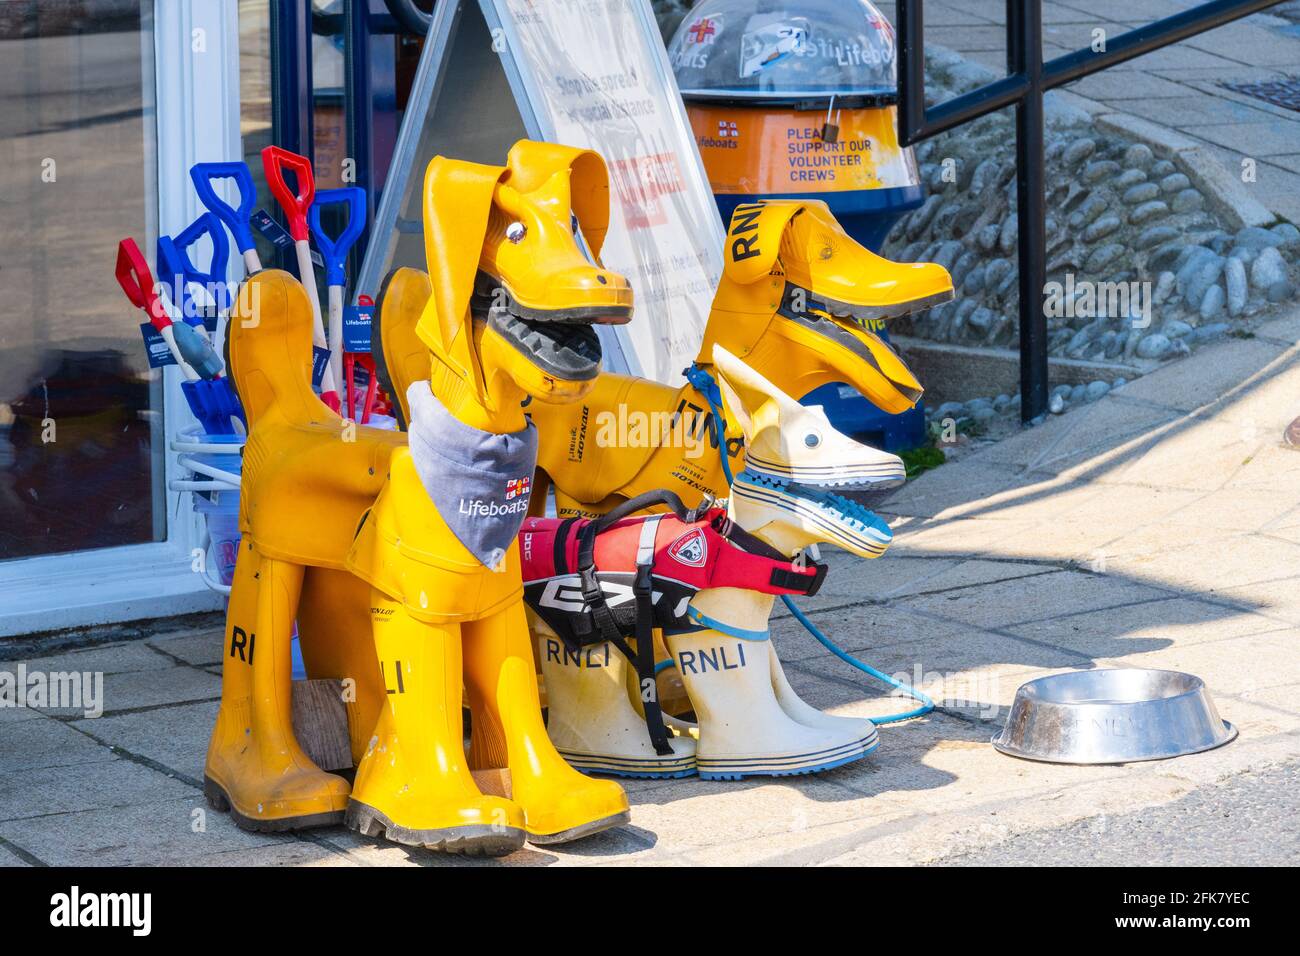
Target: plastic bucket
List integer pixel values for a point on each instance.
(210, 472)
(223, 535)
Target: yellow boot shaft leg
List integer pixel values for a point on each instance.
(333, 629)
(413, 784)
(559, 803)
(255, 767)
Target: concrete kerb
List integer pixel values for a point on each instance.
(1225, 192)
(989, 371)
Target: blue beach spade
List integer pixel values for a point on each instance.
(238, 219)
(334, 251)
(211, 399)
(176, 266)
(176, 271)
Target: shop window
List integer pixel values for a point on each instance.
(81, 436)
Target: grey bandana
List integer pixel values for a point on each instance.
(480, 482)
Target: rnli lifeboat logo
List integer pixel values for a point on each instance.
(518, 487)
(703, 31)
(691, 549)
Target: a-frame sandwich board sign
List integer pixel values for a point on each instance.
(588, 73)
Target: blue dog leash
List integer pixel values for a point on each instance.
(706, 386)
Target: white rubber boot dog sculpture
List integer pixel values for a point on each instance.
(713, 583)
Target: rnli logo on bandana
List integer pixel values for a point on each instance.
(518, 488)
(690, 549)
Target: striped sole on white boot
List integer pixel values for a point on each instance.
(647, 768)
(784, 765)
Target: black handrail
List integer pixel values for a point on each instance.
(1028, 78)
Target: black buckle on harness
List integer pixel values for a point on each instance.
(789, 580)
(591, 592)
(643, 582)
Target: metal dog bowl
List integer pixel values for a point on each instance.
(1112, 716)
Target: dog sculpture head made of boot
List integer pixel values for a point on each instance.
(796, 298)
(433, 579)
(792, 494)
(519, 280)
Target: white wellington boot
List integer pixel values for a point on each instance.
(806, 714)
(797, 709)
(591, 719)
(743, 729)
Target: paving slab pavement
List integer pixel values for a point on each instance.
(1158, 527)
(1184, 832)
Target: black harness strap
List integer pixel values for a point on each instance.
(746, 541)
(602, 625)
(643, 588)
(642, 658)
(561, 540)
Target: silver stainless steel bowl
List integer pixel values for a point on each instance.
(1112, 715)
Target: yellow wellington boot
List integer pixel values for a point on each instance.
(817, 255)
(400, 357)
(529, 249)
(559, 803)
(413, 785)
(255, 768)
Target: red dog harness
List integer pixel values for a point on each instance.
(616, 577)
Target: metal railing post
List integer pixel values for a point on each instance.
(1025, 58)
(911, 72)
(359, 111)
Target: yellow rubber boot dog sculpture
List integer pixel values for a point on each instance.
(791, 494)
(795, 301)
(416, 544)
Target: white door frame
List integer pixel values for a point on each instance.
(194, 117)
